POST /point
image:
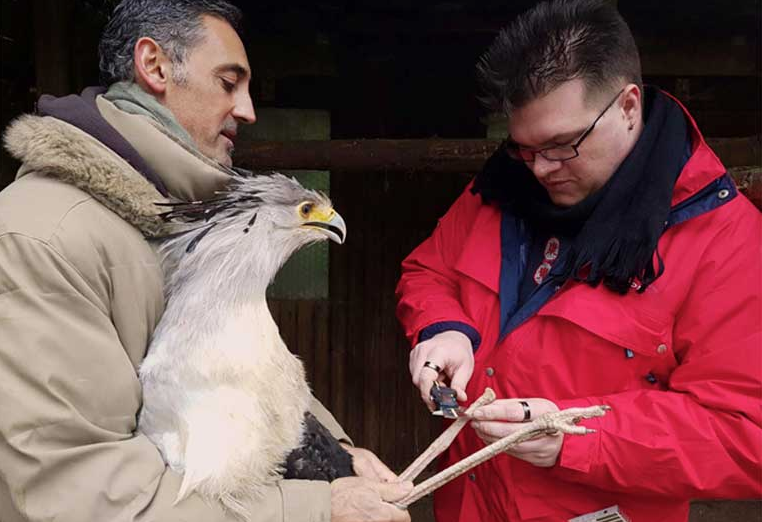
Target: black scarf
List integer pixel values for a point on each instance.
(615, 229)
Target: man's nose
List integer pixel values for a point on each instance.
(243, 111)
(541, 166)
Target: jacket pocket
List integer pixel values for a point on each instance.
(633, 325)
(632, 321)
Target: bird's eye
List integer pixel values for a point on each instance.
(306, 209)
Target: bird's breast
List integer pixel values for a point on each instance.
(248, 347)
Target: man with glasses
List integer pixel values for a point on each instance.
(602, 256)
(555, 152)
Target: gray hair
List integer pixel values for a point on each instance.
(176, 25)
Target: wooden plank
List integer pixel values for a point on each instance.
(749, 182)
(338, 285)
(396, 400)
(321, 381)
(287, 325)
(305, 335)
(368, 297)
(347, 393)
(453, 156)
(724, 511)
(435, 155)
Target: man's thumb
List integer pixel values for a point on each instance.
(459, 382)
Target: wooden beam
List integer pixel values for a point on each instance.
(435, 155)
(749, 182)
(445, 156)
(740, 155)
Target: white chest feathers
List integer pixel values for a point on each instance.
(224, 401)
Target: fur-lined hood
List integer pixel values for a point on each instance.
(52, 147)
(128, 162)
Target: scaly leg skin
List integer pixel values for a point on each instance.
(564, 421)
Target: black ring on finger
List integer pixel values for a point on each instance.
(527, 411)
(433, 366)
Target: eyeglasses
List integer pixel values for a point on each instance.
(558, 153)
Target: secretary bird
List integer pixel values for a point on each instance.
(223, 398)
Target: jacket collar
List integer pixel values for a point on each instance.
(187, 174)
(51, 147)
(80, 111)
(125, 161)
(701, 169)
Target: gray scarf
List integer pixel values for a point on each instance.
(130, 98)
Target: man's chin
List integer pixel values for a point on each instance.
(564, 200)
(222, 157)
(226, 160)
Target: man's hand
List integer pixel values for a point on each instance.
(367, 464)
(358, 499)
(450, 350)
(505, 416)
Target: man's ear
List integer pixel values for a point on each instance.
(152, 67)
(632, 103)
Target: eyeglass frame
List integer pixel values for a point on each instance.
(514, 147)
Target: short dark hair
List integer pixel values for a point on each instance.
(555, 42)
(176, 25)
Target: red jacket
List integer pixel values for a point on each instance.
(680, 364)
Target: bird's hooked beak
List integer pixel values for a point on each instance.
(332, 226)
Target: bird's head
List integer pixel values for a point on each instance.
(305, 214)
(253, 225)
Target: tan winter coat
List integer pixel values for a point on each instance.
(80, 294)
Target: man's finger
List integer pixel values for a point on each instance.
(529, 447)
(392, 491)
(460, 378)
(395, 514)
(506, 410)
(494, 429)
(382, 471)
(426, 398)
(487, 440)
(426, 378)
(416, 361)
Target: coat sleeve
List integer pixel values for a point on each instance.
(327, 419)
(428, 299)
(702, 437)
(69, 397)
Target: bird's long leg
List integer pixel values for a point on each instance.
(443, 442)
(563, 421)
